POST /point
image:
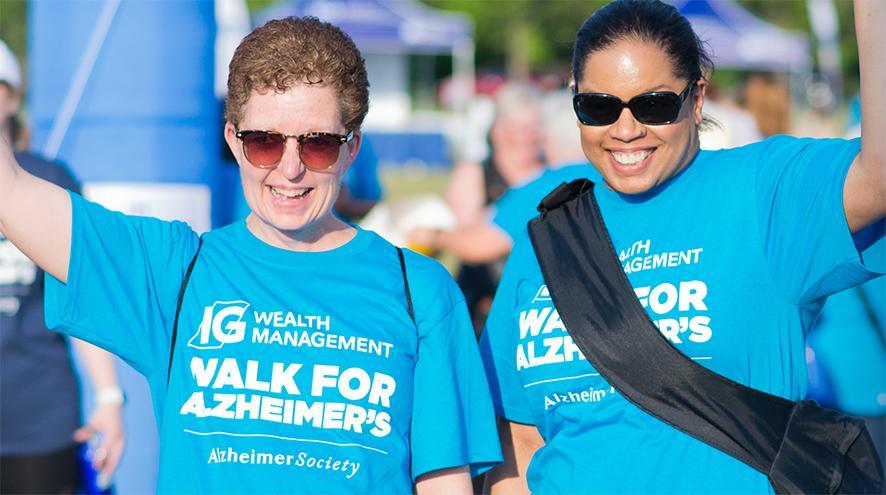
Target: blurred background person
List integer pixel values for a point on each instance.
(361, 189)
(729, 125)
(515, 157)
(515, 154)
(40, 425)
(491, 239)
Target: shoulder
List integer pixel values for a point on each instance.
(781, 146)
(424, 270)
(434, 293)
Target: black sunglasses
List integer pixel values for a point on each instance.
(655, 108)
(317, 150)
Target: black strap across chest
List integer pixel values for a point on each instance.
(178, 309)
(800, 446)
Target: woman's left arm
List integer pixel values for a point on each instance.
(452, 481)
(864, 193)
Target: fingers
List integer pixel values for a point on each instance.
(82, 434)
(107, 456)
(105, 423)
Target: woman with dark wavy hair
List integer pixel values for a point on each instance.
(730, 252)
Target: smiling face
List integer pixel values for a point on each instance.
(291, 204)
(632, 157)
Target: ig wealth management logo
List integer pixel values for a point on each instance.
(222, 324)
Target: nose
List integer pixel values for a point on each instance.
(627, 128)
(290, 165)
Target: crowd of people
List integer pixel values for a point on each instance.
(295, 352)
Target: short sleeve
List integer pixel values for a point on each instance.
(510, 216)
(452, 419)
(123, 281)
(498, 342)
(806, 239)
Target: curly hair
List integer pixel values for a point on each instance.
(299, 50)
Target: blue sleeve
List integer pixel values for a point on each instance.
(799, 196)
(123, 281)
(452, 419)
(361, 178)
(511, 216)
(498, 345)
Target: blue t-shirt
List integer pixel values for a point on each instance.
(293, 372)
(39, 394)
(519, 205)
(732, 259)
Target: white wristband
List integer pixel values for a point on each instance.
(110, 396)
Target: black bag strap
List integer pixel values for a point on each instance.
(606, 321)
(178, 308)
(406, 284)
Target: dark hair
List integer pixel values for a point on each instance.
(299, 50)
(644, 20)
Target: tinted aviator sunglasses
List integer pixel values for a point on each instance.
(316, 150)
(655, 108)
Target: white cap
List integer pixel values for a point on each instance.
(9, 70)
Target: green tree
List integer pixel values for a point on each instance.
(523, 36)
(520, 36)
(13, 27)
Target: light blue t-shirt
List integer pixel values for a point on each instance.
(519, 205)
(732, 259)
(293, 372)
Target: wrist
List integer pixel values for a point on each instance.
(110, 396)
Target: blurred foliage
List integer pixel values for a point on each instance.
(523, 35)
(527, 36)
(13, 27)
(794, 15)
(257, 5)
(550, 27)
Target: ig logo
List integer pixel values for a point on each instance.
(542, 294)
(222, 324)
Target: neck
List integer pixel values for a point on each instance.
(516, 168)
(323, 235)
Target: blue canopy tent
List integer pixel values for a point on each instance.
(739, 40)
(387, 32)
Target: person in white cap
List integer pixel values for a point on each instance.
(40, 425)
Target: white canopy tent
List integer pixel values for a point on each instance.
(739, 40)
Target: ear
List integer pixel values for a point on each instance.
(698, 101)
(353, 149)
(231, 138)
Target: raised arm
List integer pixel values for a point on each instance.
(864, 193)
(35, 215)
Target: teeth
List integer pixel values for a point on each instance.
(290, 193)
(630, 158)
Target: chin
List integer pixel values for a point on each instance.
(629, 185)
(282, 223)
